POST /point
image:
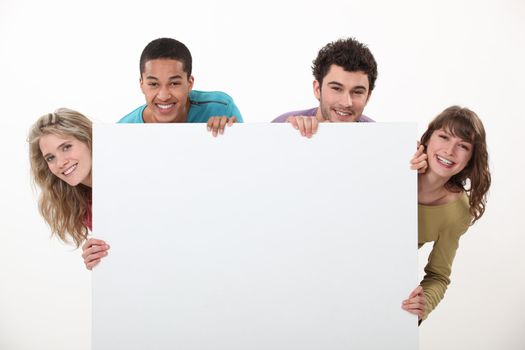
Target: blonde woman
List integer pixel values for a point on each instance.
(60, 157)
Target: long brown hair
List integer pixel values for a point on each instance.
(474, 179)
(62, 206)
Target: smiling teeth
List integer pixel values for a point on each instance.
(70, 170)
(164, 106)
(445, 161)
(342, 113)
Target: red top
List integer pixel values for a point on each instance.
(88, 219)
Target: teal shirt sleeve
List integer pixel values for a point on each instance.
(236, 113)
(133, 117)
(206, 104)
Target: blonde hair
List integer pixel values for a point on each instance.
(62, 206)
(464, 123)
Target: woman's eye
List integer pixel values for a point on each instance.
(49, 158)
(66, 147)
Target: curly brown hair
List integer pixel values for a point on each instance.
(62, 206)
(349, 54)
(475, 178)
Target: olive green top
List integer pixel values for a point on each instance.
(443, 225)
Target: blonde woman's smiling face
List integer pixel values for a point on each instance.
(67, 158)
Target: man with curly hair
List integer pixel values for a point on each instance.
(345, 72)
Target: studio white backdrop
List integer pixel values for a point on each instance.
(84, 55)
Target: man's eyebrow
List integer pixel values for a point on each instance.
(357, 87)
(151, 77)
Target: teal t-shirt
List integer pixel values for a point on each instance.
(203, 105)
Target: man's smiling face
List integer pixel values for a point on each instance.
(166, 87)
(342, 96)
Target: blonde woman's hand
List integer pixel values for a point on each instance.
(92, 251)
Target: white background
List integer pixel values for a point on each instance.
(431, 54)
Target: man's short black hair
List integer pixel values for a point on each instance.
(166, 48)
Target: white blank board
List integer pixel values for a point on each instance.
(257, 239)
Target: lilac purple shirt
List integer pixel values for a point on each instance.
(311, 113)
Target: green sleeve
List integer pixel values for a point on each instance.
(439, 268)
